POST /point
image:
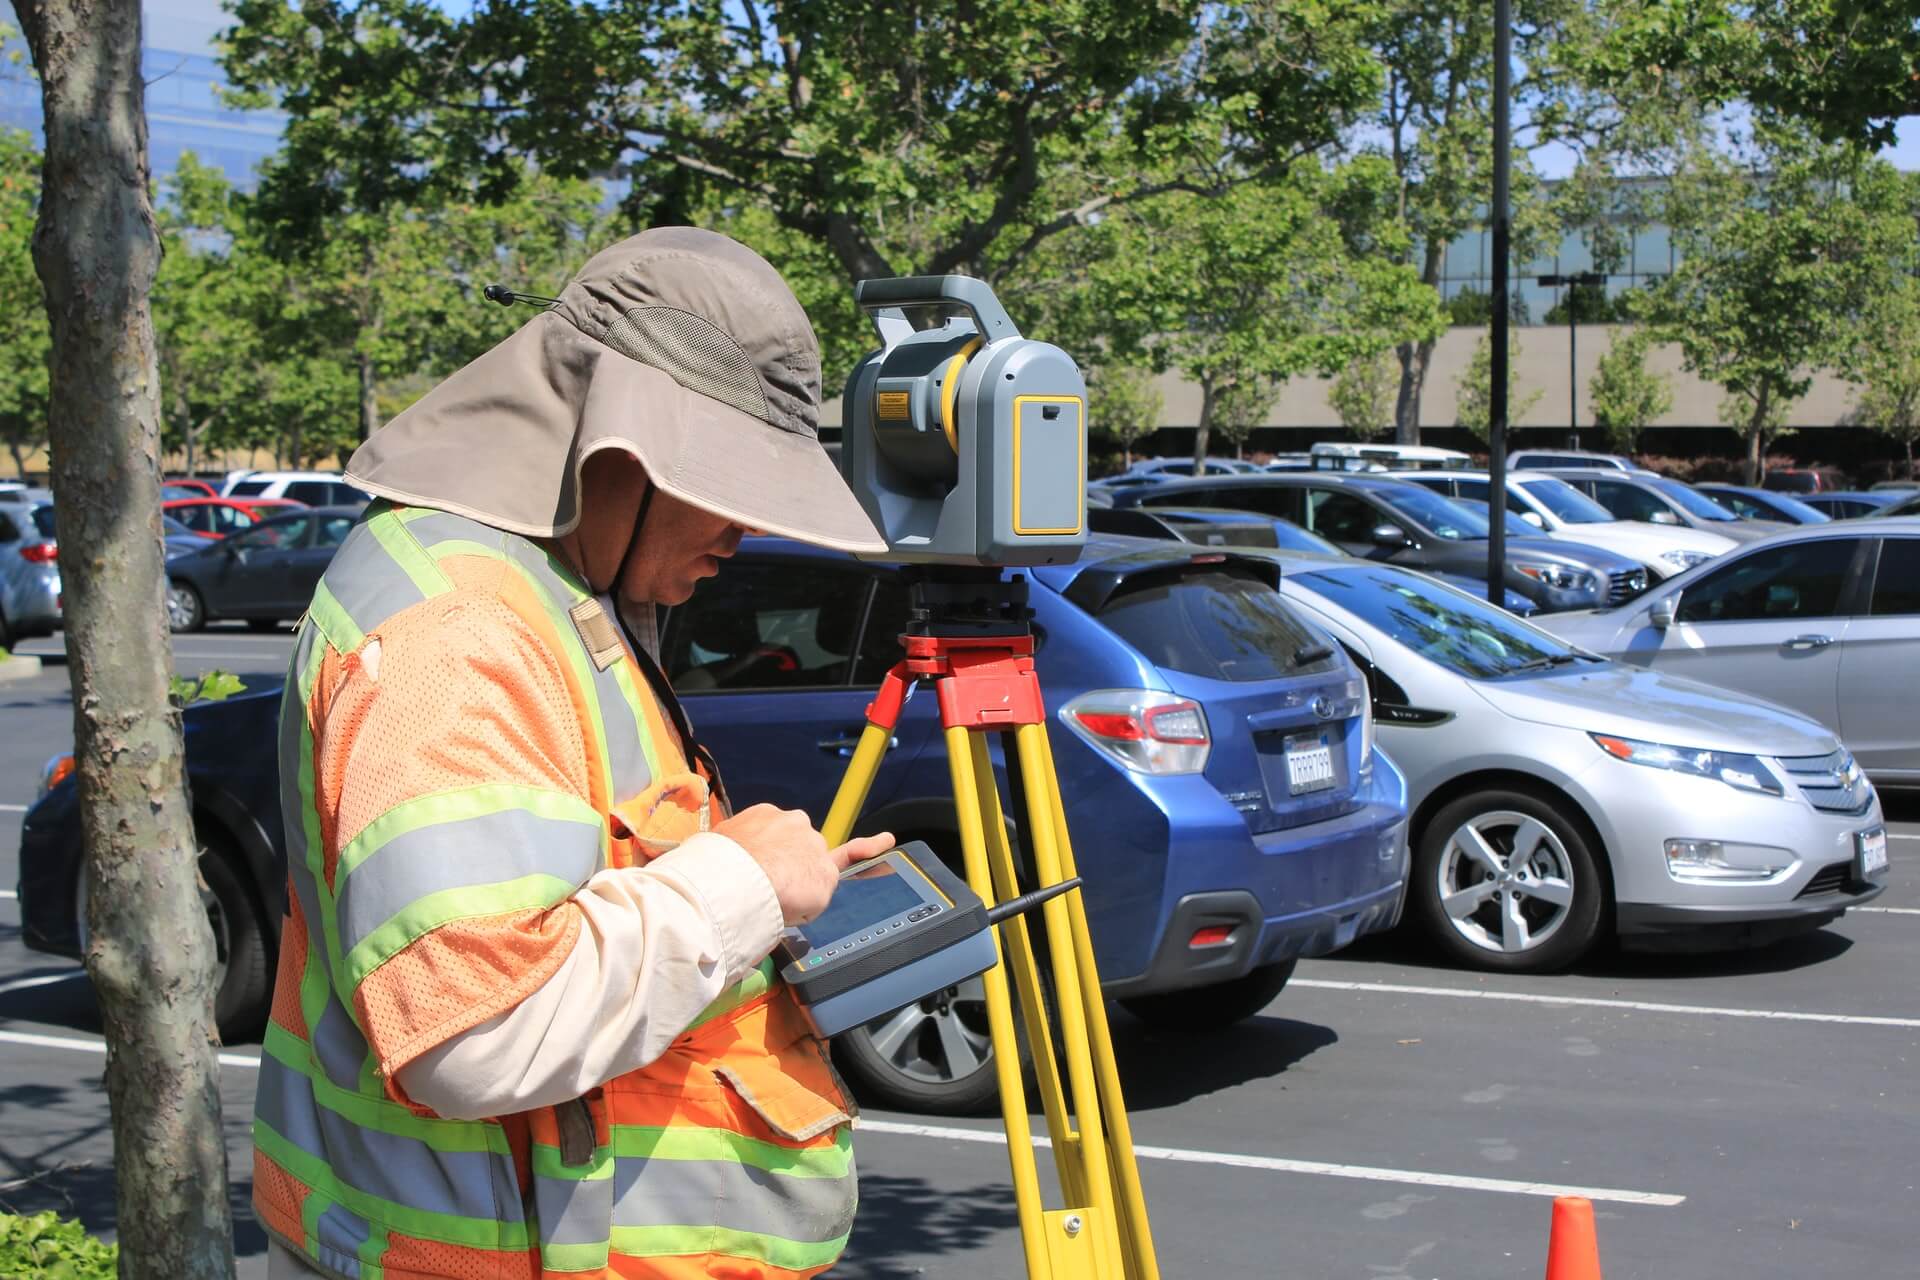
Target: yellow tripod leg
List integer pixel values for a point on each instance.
(1136, 1234)
(1018, 942)
(1043, 816)
(1006, 1049)
(855, 784)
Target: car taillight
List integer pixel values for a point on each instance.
(40, 552)
(1146, 730)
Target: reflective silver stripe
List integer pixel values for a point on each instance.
(369, 584)
(338, 1045)
(738, 1197)
(626, 756)
(400, 1170)
(339, 1235)
(459, 853)
(573, 1212)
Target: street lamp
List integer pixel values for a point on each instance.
(1573, 374)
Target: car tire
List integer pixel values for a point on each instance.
(1200, 1010)
(1488, 910)
(906, 1060)
(6, 631)
(186, 611)
(243, 960)
(241, 948)
(263, 624)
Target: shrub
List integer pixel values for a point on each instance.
(53, 1248)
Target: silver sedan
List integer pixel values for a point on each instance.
(1558, 797)
(1824, 619)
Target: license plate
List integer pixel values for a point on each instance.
(1309, 765)
(1873, 852)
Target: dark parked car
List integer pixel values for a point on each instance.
(1803, 480)
(265, 574)
(1768, 504)
(1385, 518)
(1855, 505)
(1230, 814)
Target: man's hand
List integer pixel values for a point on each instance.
(804, 872)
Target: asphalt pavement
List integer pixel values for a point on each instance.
(1745, 1115)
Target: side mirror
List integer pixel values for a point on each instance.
(1389, 535)
(1664, 611)
(1663, 517)
(1533, 518)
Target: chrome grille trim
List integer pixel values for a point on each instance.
(1625, 585)
(1831, 783)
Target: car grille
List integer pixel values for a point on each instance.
(1625, 585)
(1831, 783)
(1831, 878)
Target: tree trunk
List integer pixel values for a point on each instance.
(1415, 359)
(20, 459)
(150, 953)
(369, 401)
(1756, 440)
(1204, 428)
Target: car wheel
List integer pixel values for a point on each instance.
(242, 972)
(263, 624)
(1502, 881)
(6, 631)
(935, 1055)
(1212, 1008)
(185, 610)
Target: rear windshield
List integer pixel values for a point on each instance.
(1217, 625)
(247, 489)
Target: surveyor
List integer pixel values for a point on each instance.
(525, 1024)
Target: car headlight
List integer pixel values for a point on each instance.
(1681, 560)
(1560, 577)
(1742, 772)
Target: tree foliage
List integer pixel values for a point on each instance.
(1883, 356)
(1124, 403)
(1473, 392)
(1625, 395)
(1847, 68)
(915, 138)
(1362, 395)
(23, 323)
(1780, 242)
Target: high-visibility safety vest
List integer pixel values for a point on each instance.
(729, 1155)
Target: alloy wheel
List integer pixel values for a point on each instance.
(939, 1039)
(183, 607)
(1506, 881)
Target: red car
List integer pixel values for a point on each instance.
(214, 518)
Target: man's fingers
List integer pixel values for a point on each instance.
(859, 850)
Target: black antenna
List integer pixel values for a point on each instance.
(506, 297)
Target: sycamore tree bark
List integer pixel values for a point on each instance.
(150, 953)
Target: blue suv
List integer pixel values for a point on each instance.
(1229, 812)
(1182, 691)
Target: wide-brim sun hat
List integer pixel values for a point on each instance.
(679, 346)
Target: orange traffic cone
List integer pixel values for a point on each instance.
(1573, 1251)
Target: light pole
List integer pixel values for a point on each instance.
(1573, 369)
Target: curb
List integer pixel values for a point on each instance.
(19, 667)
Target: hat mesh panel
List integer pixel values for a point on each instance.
(696, 353)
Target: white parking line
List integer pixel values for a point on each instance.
(13, 808)
(1179, 1155)
(9, 895)
(1901, 835)
(1594, 1002)
(1274, 1164)
(1891, 911)
(100, 1046)
(41, 980)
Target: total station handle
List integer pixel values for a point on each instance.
(1028, 901)
(888, 298)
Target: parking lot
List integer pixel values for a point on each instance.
(1738, 1115)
